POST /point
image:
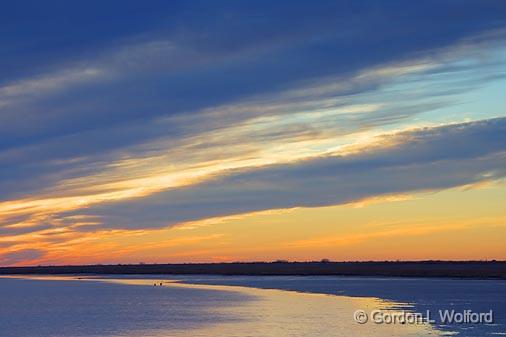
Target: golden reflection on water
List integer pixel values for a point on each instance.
(281, 313)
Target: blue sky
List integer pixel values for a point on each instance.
(139, 115)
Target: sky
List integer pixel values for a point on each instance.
(209, 131)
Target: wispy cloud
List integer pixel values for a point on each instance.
(189, 111)
(425, 159)
(15, 257)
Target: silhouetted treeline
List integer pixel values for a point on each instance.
(464, 269)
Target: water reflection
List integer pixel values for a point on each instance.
(271, 312)
(138, 308)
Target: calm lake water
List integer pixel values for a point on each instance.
(239, 306)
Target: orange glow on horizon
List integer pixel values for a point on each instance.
(381, 230)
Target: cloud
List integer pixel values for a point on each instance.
(12, 231)
(322, 111)
(418, 160)
(152, 115)
(18, 256)
(121, 79)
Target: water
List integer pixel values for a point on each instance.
(417, 294)
(234, 306)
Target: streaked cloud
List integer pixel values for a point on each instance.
(115, 124)
(417, 160)
(26, 255)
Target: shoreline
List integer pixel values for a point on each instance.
(422, 269)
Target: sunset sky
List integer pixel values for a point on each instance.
(198, 131)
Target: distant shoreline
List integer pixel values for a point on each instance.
(445, 269)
